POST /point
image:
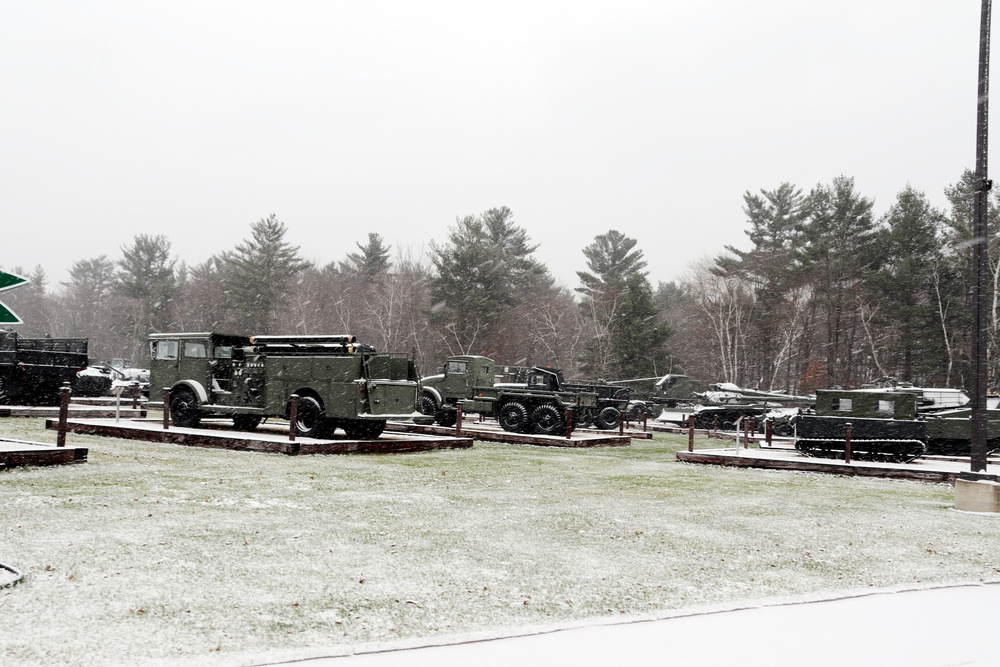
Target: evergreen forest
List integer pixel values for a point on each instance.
(822, 292)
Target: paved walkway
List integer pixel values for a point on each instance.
(941, 627)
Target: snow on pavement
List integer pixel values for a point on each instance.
(939, 627)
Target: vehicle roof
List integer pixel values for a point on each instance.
(198, 334)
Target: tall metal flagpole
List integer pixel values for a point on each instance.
(980, 250)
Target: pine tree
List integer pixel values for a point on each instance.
(627, 337)
(146, 275)
(905, 282)
(775, 220)
(839, 255)
(482, 273)
(260, 276)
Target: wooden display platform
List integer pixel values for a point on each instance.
(491, 432)
(924, 469)
(267, 438)
(24, 453)
(75, 411)
(126, 401)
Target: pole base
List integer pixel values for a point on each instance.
(977, 493)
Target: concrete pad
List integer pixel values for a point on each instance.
(977, 495)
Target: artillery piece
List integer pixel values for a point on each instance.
(725, 405)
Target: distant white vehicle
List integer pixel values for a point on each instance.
(128, 373)
(933, 397)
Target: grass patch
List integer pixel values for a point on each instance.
(157, 552)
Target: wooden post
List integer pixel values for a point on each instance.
(768, 431)
(621, 423)
(293, 416)
(644, 416)
(166, 409)
(458, 419)
(64, 393)
(691, 433)
(569, 422)
(715, 424)
(135, 395)
(847, 443)
(746, 434)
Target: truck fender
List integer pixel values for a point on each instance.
(435, 394)
(196, 387)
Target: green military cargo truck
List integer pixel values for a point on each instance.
(340, 383)
(32, 370)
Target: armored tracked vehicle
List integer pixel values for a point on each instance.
(340, 384)
(33, 369)
(884, 426)
(889, 424)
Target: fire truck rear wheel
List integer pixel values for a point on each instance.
(309, 418)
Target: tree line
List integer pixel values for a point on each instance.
(827, 294)
(481, 291)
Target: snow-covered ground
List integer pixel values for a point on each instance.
(157, 554)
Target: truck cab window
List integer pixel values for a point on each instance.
(166, 349)
(194, 350)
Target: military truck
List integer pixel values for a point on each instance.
(33, 369)
(612, 400)
(539, 404)
(340, 383)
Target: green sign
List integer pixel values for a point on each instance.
(8, 281)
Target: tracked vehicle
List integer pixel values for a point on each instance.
(884, 426)
(340, 383)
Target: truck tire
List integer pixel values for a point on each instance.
(362, 429)
(5, 393)
(608, 419)
(310, 419)
(245, 422)
(184, 408)
(447, 418)
(513, 417)
(428, 405)
(547, 420)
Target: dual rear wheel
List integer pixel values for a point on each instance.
(547, 418)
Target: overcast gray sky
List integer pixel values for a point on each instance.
(194, 119)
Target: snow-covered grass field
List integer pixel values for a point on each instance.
(162, 554)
